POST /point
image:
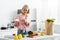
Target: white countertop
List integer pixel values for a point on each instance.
(9, 33)
(37, 38)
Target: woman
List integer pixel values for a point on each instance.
(21, 20)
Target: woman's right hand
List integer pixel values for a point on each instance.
(16, 23)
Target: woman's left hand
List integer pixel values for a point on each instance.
(27, 23)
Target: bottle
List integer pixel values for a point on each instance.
(42, 33)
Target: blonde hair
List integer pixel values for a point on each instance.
(26, 6)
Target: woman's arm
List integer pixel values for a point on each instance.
(28, 21)
(16, 21)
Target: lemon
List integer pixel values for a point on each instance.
(19, 36)
(15, 37)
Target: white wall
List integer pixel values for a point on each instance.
(7, 10)
(31, 3)
(57, 26)
(58, 10)
(42, 12)
(46, 9)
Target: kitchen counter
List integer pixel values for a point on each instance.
(8, 32)
(46, 37)
(7, 35)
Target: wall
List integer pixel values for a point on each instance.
(58, 10)
(7, 9)
(42, 12)
(47, 9)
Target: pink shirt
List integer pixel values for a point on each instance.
(21, 19)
